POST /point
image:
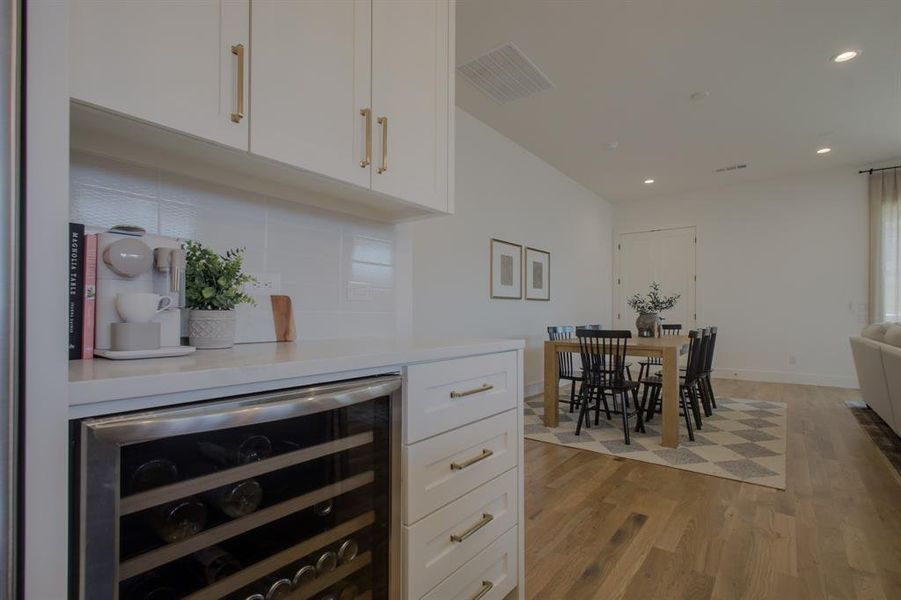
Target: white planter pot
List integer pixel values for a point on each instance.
(211, 329)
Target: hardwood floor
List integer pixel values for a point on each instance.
(605, 527)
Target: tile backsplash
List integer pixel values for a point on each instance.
(341, 272)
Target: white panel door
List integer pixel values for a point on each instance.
(169, 63)
(411, 70)
(666, 256)
(311, 80)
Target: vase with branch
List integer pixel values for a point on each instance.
(649, 306)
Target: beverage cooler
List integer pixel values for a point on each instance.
(287, 494)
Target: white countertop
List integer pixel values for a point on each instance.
(262, 365)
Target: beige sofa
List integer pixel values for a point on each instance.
(877, 356)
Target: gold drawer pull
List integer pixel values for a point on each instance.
(366, 113)
(484, 388)
(460, 466)
(238, 50)
(486, 518)
(487, 586)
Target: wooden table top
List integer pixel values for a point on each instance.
(679, 342)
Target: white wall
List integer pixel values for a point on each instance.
(782, 270)
(503, 191)
(318, 255)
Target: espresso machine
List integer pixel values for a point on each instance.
(134, 268)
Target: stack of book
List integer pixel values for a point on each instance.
(82, 290)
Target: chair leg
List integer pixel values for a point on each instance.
(685, 411)
(629, 373)
(641, 372)
(583, 408)
(643, 406)
(695, 405)
(705, 398)
(572, 395)
(625, 399)
(655, 399)
(603, 399)
(709, 384)
(639, 420)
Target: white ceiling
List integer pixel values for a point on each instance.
(624, 72)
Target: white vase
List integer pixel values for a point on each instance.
(211, 329)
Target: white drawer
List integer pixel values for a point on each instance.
(443, 468)
(493, 572)
(479, 518)
(444, 395)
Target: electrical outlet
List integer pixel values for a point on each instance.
(358, 291)
(265, 284)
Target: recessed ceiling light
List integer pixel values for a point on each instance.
(649, 181)
(846, 56)
(824, 150)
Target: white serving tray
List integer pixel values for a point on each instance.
(133, 354)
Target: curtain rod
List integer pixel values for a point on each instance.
(871, 171)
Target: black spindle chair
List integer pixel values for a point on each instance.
(688, 386)
(704, 382)
(604, 371)
(628, 364)
(565, 365)
(644, 366)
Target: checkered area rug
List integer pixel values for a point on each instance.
(744, 440)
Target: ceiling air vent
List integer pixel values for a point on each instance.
(732, 168)
(505, 74)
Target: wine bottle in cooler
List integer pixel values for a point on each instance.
(236, 499)
(242, 450)
(149, 474)
(216, 564)
(151, 586)
(178, 520)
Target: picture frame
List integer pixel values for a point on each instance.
(505, 271)
(537, 278)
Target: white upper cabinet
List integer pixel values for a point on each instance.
(175, 64)
(412, 99)
(311, 86)
(360, 91)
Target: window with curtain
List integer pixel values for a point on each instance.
(885, 246)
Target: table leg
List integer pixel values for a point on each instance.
(670, 434)
(551, 385)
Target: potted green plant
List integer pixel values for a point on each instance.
(649, 306)
(213, 287)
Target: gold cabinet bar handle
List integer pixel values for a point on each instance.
(484, 388)
(238, 50)
(383, 121)
(487, 586)
(468, 463)
(367, 125)
(486, 518)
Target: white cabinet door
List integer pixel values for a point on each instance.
(311, 80)
(412, 70)
(170, 63)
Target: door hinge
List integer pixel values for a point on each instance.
(619, 246)
(696, 316)
(618, 316)
(696, 277)
(619, 282)
(696, 239)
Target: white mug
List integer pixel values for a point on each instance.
(140, 307)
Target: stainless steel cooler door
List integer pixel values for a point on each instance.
(103, 440)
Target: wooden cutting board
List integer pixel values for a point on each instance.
(271, 320)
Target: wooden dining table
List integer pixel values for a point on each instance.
(667, 348)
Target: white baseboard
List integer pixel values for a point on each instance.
(839, 381)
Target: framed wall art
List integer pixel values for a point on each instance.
(538, 274)
(506, 270)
